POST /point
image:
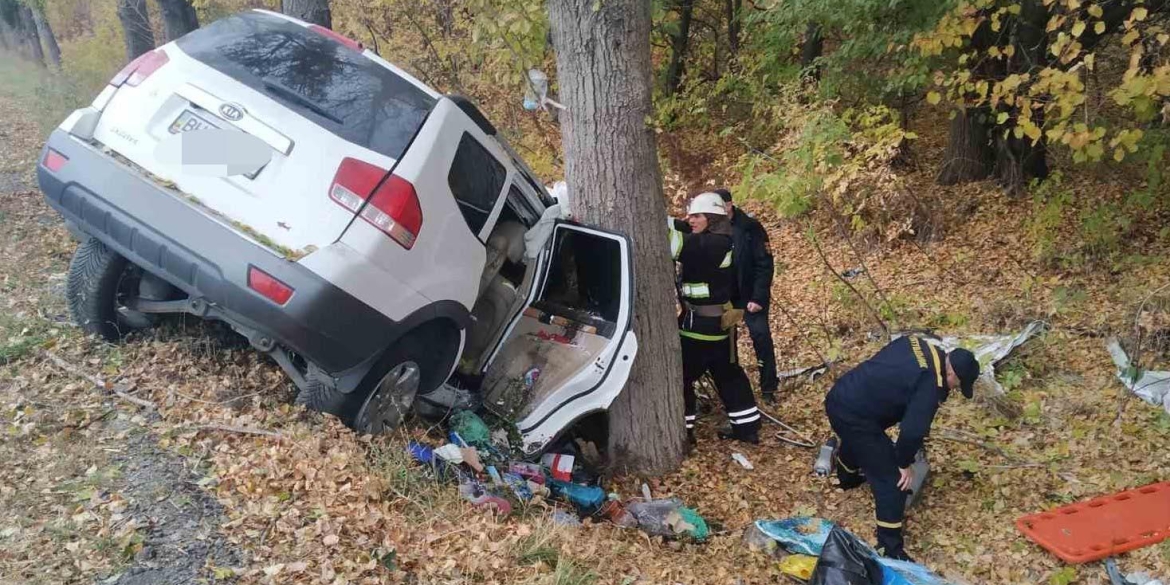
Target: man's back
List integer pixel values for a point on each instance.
(877, 391)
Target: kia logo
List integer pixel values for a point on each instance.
(231, 112)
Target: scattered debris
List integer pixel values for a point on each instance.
(988, 349)
(559, 466)
(1151, 386)
(670, 518)
(742, 460)
(799, 566)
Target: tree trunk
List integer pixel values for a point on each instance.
(179, 18)
(311, 11)
(1018, 160)
(135, 27)
(45, 32)
(678, 46)
(811, 50)
(969, 156)
(733, 26)
(28, 26)
(611, 166)
(8, 37)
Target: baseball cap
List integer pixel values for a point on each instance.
(966, 367)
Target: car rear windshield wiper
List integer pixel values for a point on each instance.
(300, 100)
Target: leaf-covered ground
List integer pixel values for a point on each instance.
(298, 499)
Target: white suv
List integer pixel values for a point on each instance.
(379, 240)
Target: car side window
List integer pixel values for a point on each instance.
(476, 179)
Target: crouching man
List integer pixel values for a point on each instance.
(903, 384)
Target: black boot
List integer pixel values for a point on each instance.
(891, 545)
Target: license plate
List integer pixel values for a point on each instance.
(188, 121)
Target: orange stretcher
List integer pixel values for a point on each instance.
(1103, 526)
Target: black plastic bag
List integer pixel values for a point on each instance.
(845, 560)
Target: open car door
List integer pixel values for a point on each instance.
(570, 352)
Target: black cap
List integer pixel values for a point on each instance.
(724, 193)
(966, 367)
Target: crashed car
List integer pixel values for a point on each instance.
(377, 239)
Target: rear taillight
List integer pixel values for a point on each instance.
(54, 161)
(393, 207)
(265, 284)
(337, 37)
(140, 68)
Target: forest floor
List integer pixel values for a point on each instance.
(188, 464)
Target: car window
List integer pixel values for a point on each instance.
(476, 179)
(324, 81)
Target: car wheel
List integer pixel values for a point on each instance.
(101, 282)
(386, 398)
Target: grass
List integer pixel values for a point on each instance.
(47, 95)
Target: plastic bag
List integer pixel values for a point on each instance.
(799, 566)
(471, 428)
(907, 573)
(799, 535)
(845, 560)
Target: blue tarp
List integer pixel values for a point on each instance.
(806, 535)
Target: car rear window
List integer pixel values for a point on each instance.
(334, 86)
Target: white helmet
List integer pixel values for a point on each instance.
(707, 203)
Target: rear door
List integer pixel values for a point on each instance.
(569, 354)
(315, 102)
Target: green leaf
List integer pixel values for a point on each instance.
(1001, 118)
(933, 98)
(1064, 576)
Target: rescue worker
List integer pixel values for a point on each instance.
(702, 247)
(754, 269)
(902, 384)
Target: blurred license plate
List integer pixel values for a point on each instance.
(188, 121)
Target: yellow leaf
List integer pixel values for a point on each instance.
(1099, 28)
(1139, 13)
(1163, 38)
(1009, 50)
(1078, 28)
(1129, 38)
(1014, 9)
(1001, 118)
(933, 98)
(1089, 59)
(1118, 155)
(1095, 11)
(994, 52)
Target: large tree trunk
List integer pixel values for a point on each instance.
(611, 166)
(811, 50)
(33, 40)
(46, 33)
(135, 27)
(678, 46)
(179, 18)
(313, 11)
(969, 155)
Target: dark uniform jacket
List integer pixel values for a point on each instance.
(902, 384)
(706, 274)
(753, 260)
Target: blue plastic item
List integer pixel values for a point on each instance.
(420, 452)
(586, 498)
(789, 534)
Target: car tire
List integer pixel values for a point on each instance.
(385, 398)
(99, 280)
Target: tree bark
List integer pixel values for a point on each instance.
(969, 156)
(31, 38)
(678, 46)
(135, 27)
(311, 11)
(811, 50)
(45, 32)
(611, 166)
(179, 18)
(733, 26)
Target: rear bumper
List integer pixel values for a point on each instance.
(169, 237)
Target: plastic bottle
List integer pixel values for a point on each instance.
(824, 465)
(921, 469)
